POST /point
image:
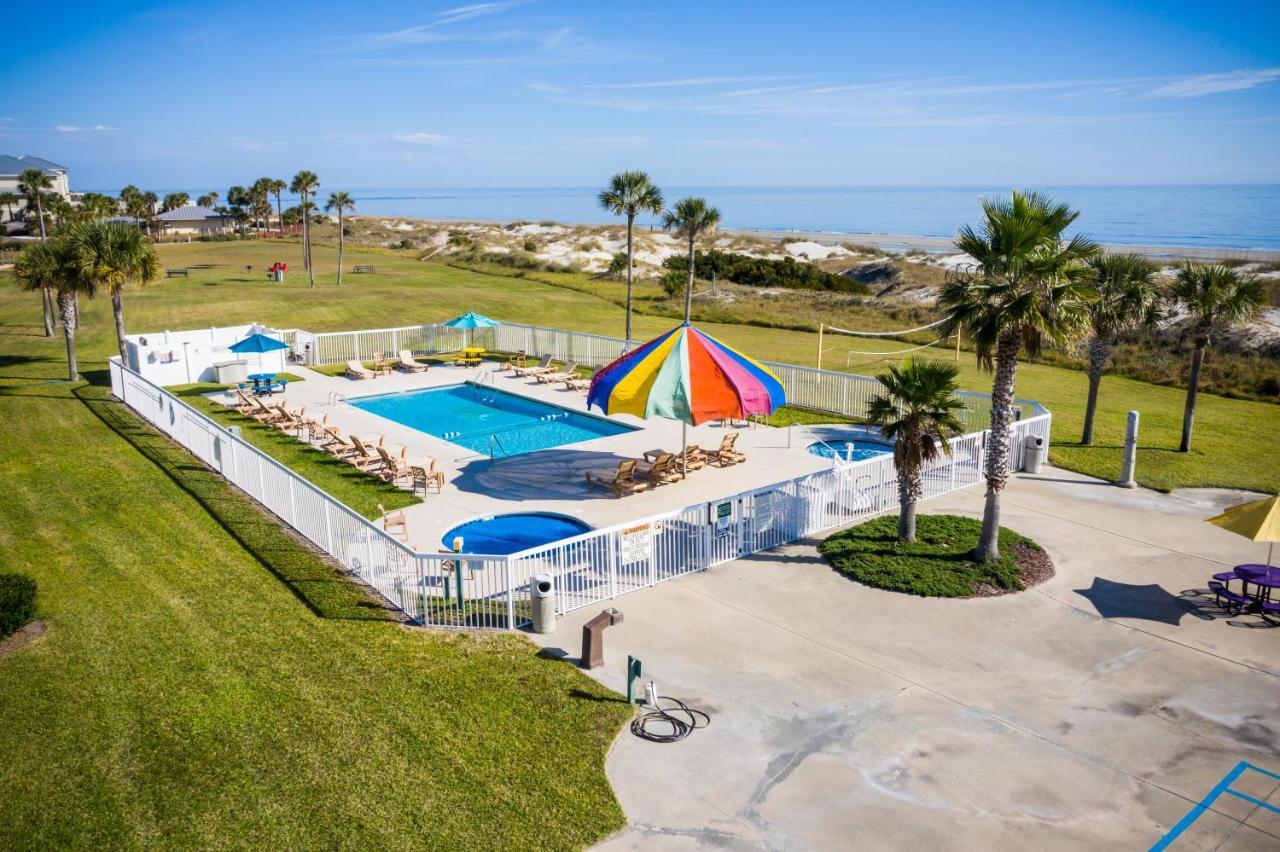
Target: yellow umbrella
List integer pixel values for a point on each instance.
(1256, 521)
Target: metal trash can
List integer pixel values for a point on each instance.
(543, 597)
(1033, 455)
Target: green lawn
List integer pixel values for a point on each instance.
(207, 681)
(936, 565)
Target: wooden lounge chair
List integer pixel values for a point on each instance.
(395, 523)
(427, 476)
(577, 383)
(570, 370)
(336, 445)
(516, 360)
(662, 470)
(726, 454)
(244, 403)
(393, 469)
(622, 481)
(363, 458)
(268, 414)
(543, 365)
(409, 365)
(356, 370)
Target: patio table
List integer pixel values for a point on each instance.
(1265, 577)
(471, 356)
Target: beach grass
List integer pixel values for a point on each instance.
(207, 681)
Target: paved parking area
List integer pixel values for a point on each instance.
(1091, 712)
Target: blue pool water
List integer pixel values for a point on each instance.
(861, 449)
(468, 414)
(503, 534)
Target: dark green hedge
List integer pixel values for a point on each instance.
(760, 272)
(17, 602)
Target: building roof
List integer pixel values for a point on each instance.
(12, 166)
(191, 211)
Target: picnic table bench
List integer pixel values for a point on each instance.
(365, 268)
(176, 273)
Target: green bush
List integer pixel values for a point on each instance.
(761, 272)
(17, 602)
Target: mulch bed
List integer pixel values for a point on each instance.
(1036, 567)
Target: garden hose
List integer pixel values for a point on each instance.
(678, 717)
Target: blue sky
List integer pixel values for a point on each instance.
(541, 93)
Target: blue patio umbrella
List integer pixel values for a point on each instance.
(471, 320)
(258, 343)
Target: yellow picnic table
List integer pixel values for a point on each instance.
(471, 356)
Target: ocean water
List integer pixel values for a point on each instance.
(1246, 217)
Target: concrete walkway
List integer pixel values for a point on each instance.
(845, 717)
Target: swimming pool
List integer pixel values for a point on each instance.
(468, 414)
(503, 534)
(850, 449)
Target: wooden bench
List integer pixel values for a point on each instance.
(175, 273)
(365, 269)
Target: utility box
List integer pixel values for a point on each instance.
(231, 372)
(1033, 454)
(542, 595)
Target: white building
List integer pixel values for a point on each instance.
(193, 220)
(11, 167)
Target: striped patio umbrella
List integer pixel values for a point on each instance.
(689, 376)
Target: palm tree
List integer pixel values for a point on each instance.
(32, 183)
(9, 199)
(174, 200)
(238, 198)
(1027, 286)
(147, 209)
(209, 199)
(629, 194)
(111, 255)
(1217, 297)
(48, 266)
(276, 186)
(918, 410)
(341, 202)
(690, 218)
(1129, 297)
(305, 183)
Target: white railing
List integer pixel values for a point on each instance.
(482, 591)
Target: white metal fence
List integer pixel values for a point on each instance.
(481, 591)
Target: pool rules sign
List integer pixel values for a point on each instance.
(636, 544)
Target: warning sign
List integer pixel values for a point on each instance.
(636, 544)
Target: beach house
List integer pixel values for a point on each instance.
(195, 221)
(11, 167)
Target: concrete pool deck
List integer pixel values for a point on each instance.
(551, 479)
(1090, 712)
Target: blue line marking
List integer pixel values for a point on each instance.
(1223, 786)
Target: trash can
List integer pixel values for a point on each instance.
(543, 597)
(1033, 455)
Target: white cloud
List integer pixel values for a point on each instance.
(686, 82)
(1213, 84)
(73, 128)
(422, 138)
(428, 33)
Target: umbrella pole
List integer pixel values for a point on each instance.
(684, 451)
(1270, 549)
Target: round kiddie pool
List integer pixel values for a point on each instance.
(851, 449)
(503, 534)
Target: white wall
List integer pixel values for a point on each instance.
(180, 357)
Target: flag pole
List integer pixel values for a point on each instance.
(820, 346)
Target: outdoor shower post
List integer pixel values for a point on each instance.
(1130, 452)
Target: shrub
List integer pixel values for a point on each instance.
(760, 272)
(461, 239)
(530, 245)
(17, 602)
(617, 265)
(674, 281)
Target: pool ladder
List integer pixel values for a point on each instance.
(495, 440)
(336, 397)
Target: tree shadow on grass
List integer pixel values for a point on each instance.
(317, 582)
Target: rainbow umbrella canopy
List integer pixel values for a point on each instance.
(689, 376)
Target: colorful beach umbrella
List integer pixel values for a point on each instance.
(471, 319)
(1256, 521)
(686, 375)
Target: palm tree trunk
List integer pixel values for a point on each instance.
(117, 308)
(997, 461)
(67, 308)
(306, 236)
(279, 217)
(40, 216)
(340, 242)
(688, 289)
(910, 489)
(1193, 389)
(46, 300)
(1099, 352)
(631, 219)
